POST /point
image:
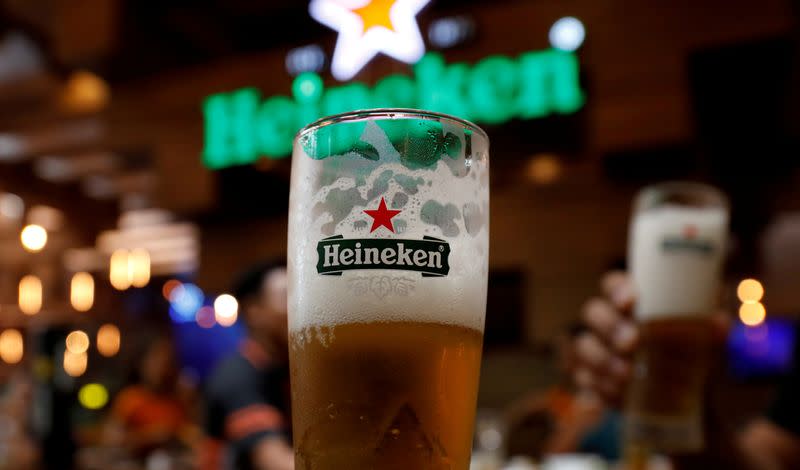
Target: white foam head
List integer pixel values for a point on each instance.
(433, 202)
(676, 255)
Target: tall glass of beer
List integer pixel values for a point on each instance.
(676, 249)
(388, 251)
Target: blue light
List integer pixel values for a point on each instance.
(761, 350)
(309, 58)
(449, 32)
(185, 300)
(567, 34)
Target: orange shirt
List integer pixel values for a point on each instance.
(140, 409)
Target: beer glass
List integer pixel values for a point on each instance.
(388, 251)
(676, 249)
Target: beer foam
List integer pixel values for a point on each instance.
(676, 255)
(448, 201)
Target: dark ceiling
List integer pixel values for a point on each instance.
(157, 35)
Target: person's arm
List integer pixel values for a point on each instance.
(272, 453)
(240, 413)
(257, 434)
(604, 352)
(766, 446)
(773, 442)
(604, 365)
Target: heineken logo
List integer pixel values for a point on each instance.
(429, 256)
(381, 217)
(241, 126)
(688, 242)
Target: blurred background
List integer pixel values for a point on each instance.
(142, 168)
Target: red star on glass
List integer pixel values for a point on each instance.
(382, 216)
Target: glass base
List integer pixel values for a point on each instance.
(663, 435)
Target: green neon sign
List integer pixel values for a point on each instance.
(240, 127)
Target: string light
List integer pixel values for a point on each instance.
(30, 294)
(108, 340)
(77, 342)
(12, 346)
(226, 309)
(33, 237)
(75, 364)
(81, 292)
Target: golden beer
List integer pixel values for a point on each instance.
(671, 367)
(384, 395)
(676, 249)
(388, 264)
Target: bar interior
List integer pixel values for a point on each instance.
(145, 172)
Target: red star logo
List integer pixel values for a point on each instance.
(690, 231)
(381, 217)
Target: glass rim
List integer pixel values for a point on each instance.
(706, 195)
(390, 113)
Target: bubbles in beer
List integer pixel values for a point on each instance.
(329, 198)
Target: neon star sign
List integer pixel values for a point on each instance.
(369, 27)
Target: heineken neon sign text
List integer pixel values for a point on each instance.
(240, 127)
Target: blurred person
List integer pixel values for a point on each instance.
(248, 393)
(17, 447)
(604, 357)
(152, 413)
(574, 421)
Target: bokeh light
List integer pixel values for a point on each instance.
(166, 290)
(33, 237)
(752, 314)
(81, 291)
(544, 169)
(118, 269)
(12, 346)
(30, 294)
(139, 267)
(108, 340)
(226, 309)
(567, 34)
(85, 91)
(205, 317)
(11, 206)
(75, 364)
(77, 342)
(750, 291)
(185, 300)
(93, 396)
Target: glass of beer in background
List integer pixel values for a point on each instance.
(388, 261)
(676, 249)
